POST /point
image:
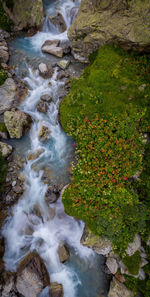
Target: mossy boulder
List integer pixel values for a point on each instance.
(24, 14)
(17, 123)
(119, 289)
(100, 22)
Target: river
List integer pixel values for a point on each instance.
(82, 274)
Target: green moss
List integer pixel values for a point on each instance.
(3, 127)
(106, 113)
(3, 76)
(5, 23)
(133, 262)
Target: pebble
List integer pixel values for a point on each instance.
(14, 183)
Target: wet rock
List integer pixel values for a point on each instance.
(49, 43)
(44, 133)
(32, 276)
(112, 265)
(4, 55)
(44, 102)
(35, 155)
(3, 135)
(7, 95)
(65, 45)
(63, 64)
(53, 50)
(101, 246)
(45, 72)
(47, 176)
(59, 22)
(9, 283)
(63, 253)
(50, 196)
(56, 290)
(118, 289)
(5, 149)
(61, 75)
(141, 274)
(17, 123)
(52, 213)
(134, 246)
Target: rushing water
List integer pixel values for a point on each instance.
(35, 226)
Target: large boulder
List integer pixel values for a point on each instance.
(99, 245)
(112, 265)
(118, 289)
(100, 22)
(134, 246)
(7, 94)
(32, 276)
(24, 14)
(45, 72)
(44, 102)
(17, 123)
(56, 290)
(52, 47)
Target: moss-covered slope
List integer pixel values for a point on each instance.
(106, 113)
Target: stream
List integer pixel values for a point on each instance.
(82, 274)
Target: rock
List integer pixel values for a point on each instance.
(32, 276)
(35, 155)
(7, 95)
(3, 135)
(142, 88)
(45, 72)
(143, 262)
(126, 23)
(44, 103)
(14, 183)
(63, 253)
(65, 45)
(63, 64)
(134, 246)
(118, 289)
(112, 265)
(142, 274)
(49, 43)
(4, 55)
(9, 279)
(56, 290)
(5, 149)
(59, 22)
(24, 14)
(61, 74)
(44, 133)
(120, 278)
(47, 176)
(53, 50)
(17, 123)
(99, 245)
(50, 196)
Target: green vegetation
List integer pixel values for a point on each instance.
(106, 113)
(3, 75)
(133, 263)
(5, 23)
(3, 127)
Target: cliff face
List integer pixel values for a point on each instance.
(24, 14)
(125, 22)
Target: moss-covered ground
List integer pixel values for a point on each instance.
(107, 113)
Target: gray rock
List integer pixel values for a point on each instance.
(9, 285)
(14, 183)
(5, 149)
(54, 42)
(118, 289)
(112, 265)
(44, 133)
(101, 246)
(7, 95)
(35, 155)
(63, 64)
(17, 122)
(142, 274)
(63, 253)
(65, 44)
(53, 50)
(50, 196)
(134, 246)
(32, 276)
(4, 55)
(45, 71)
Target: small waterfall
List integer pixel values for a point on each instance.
(49, 27)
